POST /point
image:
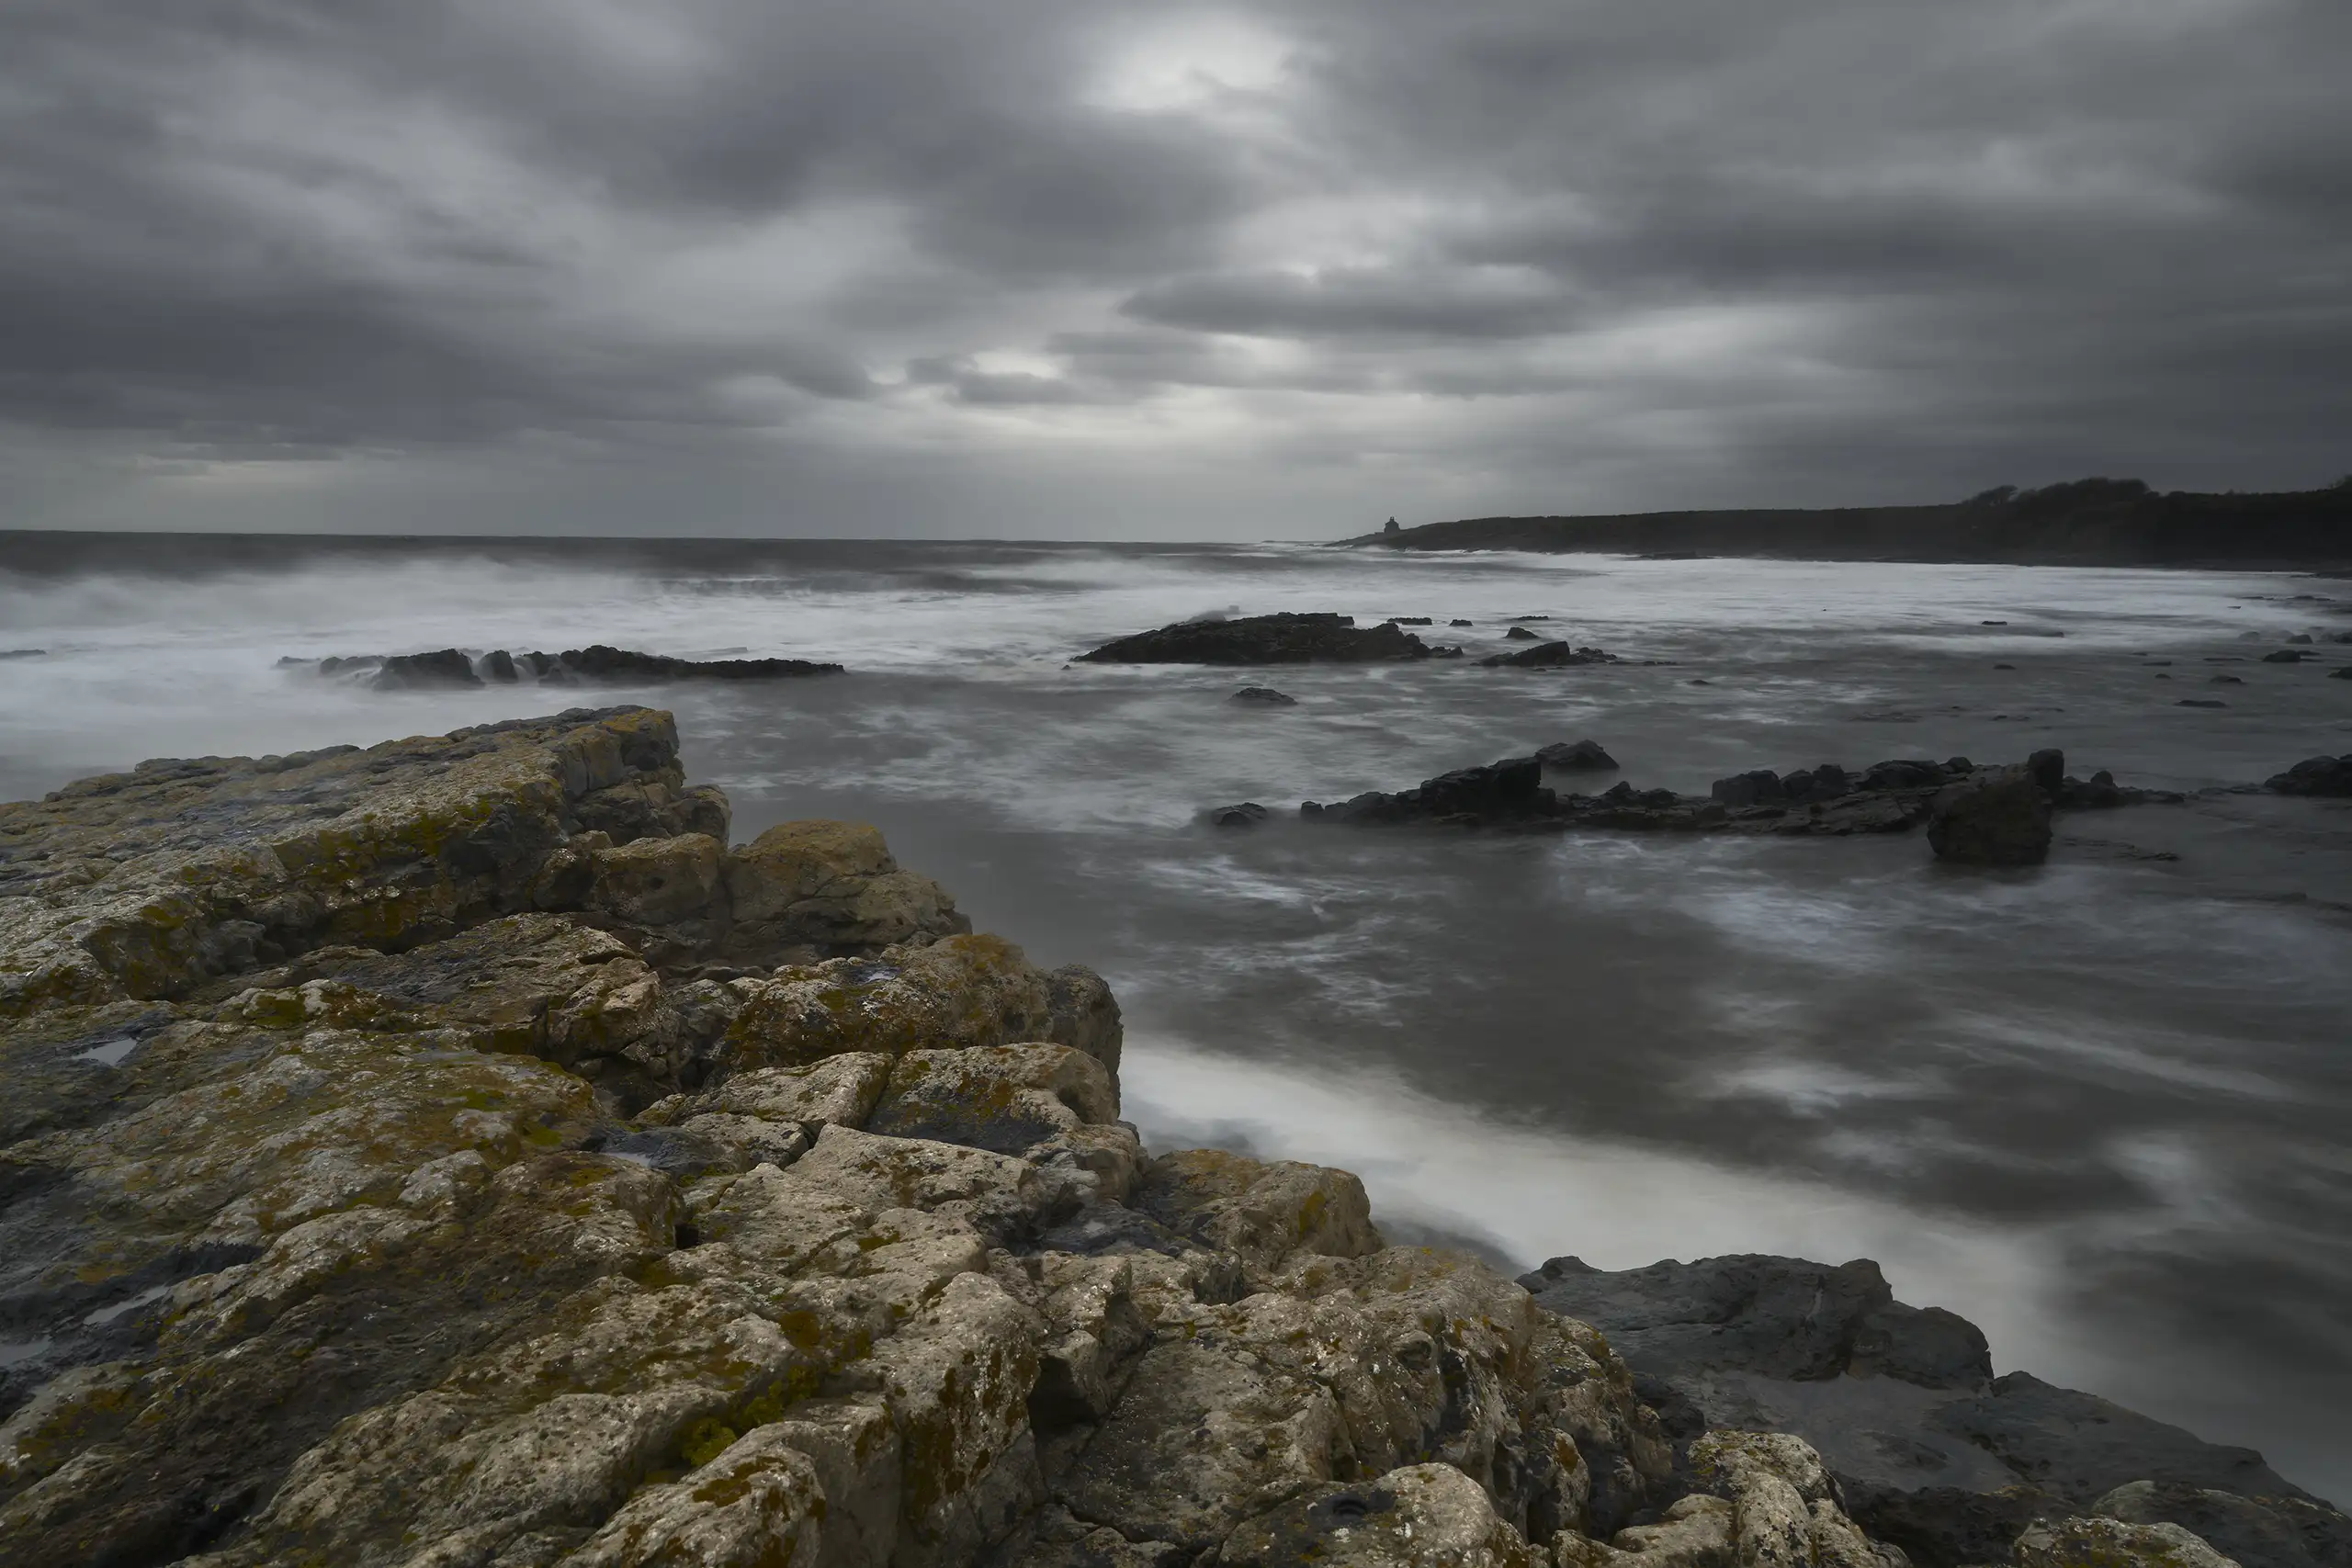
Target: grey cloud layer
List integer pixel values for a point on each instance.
(1593, 254)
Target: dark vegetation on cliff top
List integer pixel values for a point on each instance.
(2094, 522)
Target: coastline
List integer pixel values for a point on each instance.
(509, 1000)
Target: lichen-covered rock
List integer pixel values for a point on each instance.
(1006, 1098)
(1784, 1508)
(2286, 1529)
(470, 1207)
(1423, 1516)
(2093, 1543)
(147, 884)
(661, 882)
(758, 1504)
(1261, 1211)
(960, 992)
(832, 886)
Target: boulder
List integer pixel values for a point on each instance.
(1928, 1449)
(2329, 776)
(411, 672)
(661, 882)
(1761, 787)
(2111, 1543)
(1520, 633)
(1248, 813)
(1576, 756)
(1994, 819)
(1263, 696)
(1548, 656)
(1263, 639)
(600, 661)
(2286, 655)
(831, 886)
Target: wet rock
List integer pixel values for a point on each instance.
(1576, 756)
(1457, 621)
(1761, 787)
(1263, 696)
(1520, 633)
(1263, 639)
(2286, 655)
(600, 662)
(1248, 813)
(1424, 620)
(2200, 703)
(411, 672)
(1510, 788)
(1548, 656)
(2314, 776)
(1994, 818)
(1928, 1451)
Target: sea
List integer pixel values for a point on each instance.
(2102, 1108)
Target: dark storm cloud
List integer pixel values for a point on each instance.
(1353, 302)
(1828, 250)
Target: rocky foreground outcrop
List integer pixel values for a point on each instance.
(1265, 640)
(456, 1153)
(597, 664)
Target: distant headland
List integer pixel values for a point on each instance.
(2095, 522)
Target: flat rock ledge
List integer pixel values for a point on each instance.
(1978, 815)
(458, 1153)
(597, 664)
(1287, 638)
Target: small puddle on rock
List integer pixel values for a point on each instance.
(15, 1350)
(105, 1314)
(109, 1054)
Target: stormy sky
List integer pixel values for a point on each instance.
(1100, 269)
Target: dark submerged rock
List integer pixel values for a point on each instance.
(1264, 639)
(2329, 776)
(1576, 756)
(1994, 818)
(1263, 696)
(409, 671)
(1520, 633)
(1248, 813)
(451, 667)
(1548, 656)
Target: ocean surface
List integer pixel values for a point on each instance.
(2102, 1108)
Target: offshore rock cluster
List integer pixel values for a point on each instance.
(456, 1153)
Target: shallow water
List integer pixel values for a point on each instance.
(2099, 1107)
